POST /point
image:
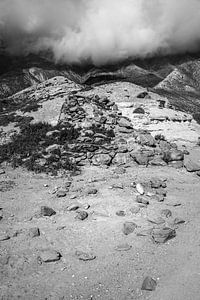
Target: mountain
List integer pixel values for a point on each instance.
(176, 77)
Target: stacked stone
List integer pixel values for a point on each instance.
(106, 137)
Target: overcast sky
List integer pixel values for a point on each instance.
(101, 30)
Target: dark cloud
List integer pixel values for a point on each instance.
(100, 30)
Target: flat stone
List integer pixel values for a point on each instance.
(81, 215)
(157, 161)
(149, 284)
(123, 247)
(50, 256)
(162, 235)
(117, 186)
(144, 232)
(47, 211)
(85, 256)
(178, 221)
(156, 220)
(34, 232)
(142, 199)
(176, 164)
(192, 166)
(73, 207)
(129, 227)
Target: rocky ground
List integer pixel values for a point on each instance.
(124, 225)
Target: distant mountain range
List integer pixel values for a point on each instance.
(177, 76)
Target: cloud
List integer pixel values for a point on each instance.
(100, 30)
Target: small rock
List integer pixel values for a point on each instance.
(157, 198)
(123, 247)
(140, 188)
(61, 194)
(49, 256)
(101, 159)
(47, 211)
(85, 206)
(135, 210)
(92, 191)
(162, 235)
(173, 155)
(81, 215)
(73, 207)
(142, 199)
(117, 186)
(178, 221)
(129, 227)
(4, 237)
(157, 183)
(166, 213)
(2, 171)
(157, 161)
(176, 164)
(149, 284)
(120, 213)
(85, 256)
(34, 232)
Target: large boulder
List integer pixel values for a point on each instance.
(192, 166)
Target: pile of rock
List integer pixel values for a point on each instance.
(106, 137)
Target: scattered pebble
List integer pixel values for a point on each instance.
(149, 284)
(129, 227)
(85, 256)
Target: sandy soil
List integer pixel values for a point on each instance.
(112, 275)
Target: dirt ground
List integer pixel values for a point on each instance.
(116, 275)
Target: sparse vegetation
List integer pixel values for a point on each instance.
(28, 148)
